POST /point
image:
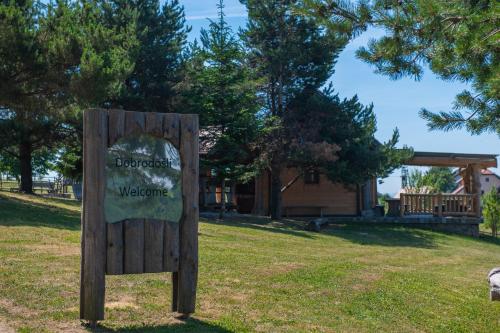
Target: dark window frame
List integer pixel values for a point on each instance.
(311, 177)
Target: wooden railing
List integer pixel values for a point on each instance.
(439, 204)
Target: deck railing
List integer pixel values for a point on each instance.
(439, 204)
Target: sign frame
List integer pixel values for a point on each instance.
(100, 245)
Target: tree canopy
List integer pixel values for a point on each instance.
(491, 210)
(222, 89)
(158, 60)
(457, 40)
(307, 126)
(434, 180)
(56, 58)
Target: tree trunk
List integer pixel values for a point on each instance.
(25, 152)
(222, 199)
(275, 193)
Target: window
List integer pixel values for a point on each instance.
(487, 179)
(311, 177)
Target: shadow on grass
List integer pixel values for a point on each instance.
(384, 235)
(363, 234)
(487, 238)
(20, 213)
(286, 227)
(189, 325)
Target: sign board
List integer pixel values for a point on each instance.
(140, 203)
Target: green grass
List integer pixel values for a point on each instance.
(255, 276)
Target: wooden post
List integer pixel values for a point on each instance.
(95, 138)
(440, 204)
(188, 263)
(476, 188)
(175, 290)
(402, 205)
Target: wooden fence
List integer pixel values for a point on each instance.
(439, 204)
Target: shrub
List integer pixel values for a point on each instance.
(491, 210)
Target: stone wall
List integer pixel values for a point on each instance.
(457, 225)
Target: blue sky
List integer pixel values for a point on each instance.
(396, 102)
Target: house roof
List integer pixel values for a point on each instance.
(488, 172)
(423, 158)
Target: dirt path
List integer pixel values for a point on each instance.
(4, 328)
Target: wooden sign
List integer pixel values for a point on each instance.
(140, 203)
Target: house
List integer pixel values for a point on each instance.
(488, 180)
(311, 194)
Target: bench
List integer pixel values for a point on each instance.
(43, 185)
(319, 208)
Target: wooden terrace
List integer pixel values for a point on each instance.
(445, 204)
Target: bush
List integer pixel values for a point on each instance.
(491, 210)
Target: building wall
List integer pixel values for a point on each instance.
(303, 199)
(488, 182)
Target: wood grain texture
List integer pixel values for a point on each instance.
(154, 124)
(114, 261)
(135, 123)
(153, 246)
(116, 126)
(92, 288)
(171, 128)
(171, 247)
(175, 291)
(188, 229)
(133, 262)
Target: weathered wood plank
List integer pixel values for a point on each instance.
(188, 229)
(154, 124)
(171, 128)
(171, 247)
(114, 261)
(153, 246)
(133, 262)
(135, 123)
(116, 126)
(92, 288)
(175, 290)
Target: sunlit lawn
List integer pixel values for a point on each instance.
(255, 276)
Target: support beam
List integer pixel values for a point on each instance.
(452, 159)
(476, 188)
(93, 262)
(188, 263)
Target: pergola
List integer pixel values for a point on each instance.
(467, 204)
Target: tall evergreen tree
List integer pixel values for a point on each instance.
(222, 89)
(56, 58)
(158, 63)
(295, 56)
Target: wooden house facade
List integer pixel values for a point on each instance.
(311, 194)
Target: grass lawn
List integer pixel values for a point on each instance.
(255, 276)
